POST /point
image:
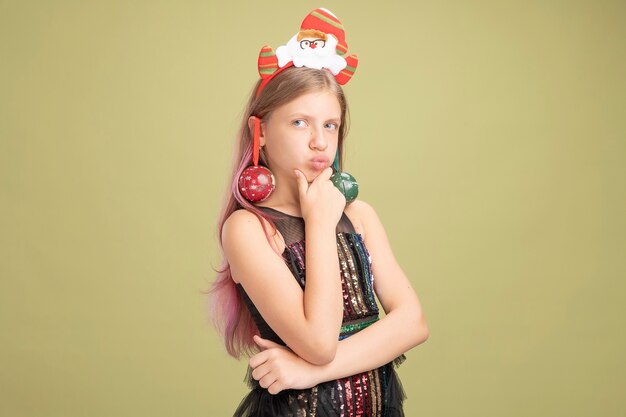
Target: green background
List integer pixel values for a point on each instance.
(489, 136)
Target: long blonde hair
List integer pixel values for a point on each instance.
(227, 310)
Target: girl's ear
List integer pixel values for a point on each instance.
(251, 120)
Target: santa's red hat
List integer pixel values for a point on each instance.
(323, 20)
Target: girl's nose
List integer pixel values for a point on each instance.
(318, 141)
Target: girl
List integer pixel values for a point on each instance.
(322, 351)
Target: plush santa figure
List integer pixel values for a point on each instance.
(313, 49)
(320, 43)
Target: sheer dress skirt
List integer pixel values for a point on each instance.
(374, 393)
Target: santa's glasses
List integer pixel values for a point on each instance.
(313, 44)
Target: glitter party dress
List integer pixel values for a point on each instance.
(377, 392)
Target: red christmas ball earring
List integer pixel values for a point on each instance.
(256, 183)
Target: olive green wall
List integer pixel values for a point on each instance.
(488, 135)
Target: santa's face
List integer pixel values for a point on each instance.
(312, 43)
(312, 49)
(302, 134)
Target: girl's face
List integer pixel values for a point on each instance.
(302, 134)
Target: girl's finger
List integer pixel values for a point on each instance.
(260, 371)
(324, 175)
(303, 185)
(275, 388)
(267, 380)
(257, 359)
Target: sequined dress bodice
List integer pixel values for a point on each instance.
(374, 393)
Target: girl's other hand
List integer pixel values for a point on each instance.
(277, 368)
(320, 201)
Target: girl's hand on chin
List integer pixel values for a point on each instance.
(320, 201)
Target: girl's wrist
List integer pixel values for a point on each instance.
(319, 374)
(319, 228)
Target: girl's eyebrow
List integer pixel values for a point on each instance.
(306, 116)
(299, 114)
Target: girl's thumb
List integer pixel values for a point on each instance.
(259, 341)
(264, 343)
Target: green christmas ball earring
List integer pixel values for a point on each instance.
(344, 182)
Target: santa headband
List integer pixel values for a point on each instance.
(320, 43)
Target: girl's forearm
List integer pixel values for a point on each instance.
(376, 345)
(323, 301)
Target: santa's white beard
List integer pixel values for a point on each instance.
(319, 58)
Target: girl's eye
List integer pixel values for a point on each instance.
(332, 126)
(298, 123)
